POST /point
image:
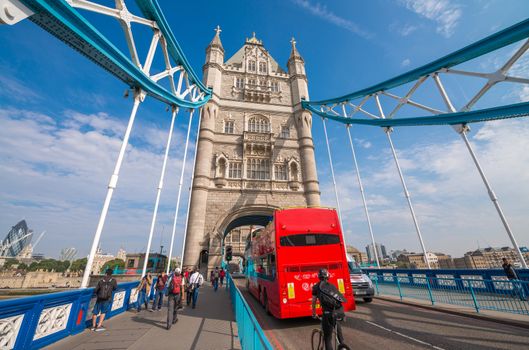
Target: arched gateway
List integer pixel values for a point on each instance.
(255, 150)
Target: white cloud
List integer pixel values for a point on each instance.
(55, 171)
(406, 62)
(321, 11)
(403, 29)
(443, 12)
(17, 90)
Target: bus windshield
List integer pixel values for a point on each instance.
(309, 239)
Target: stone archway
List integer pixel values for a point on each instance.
(259, 215)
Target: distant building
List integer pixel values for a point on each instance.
(416, 260)
(122, 254)
(100, 259)
(395, 253)
(489, 258)
(445, 261)
(16, 240)
(360, 257)
(156, 262)
(381, 251)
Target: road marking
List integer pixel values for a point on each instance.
(404, 335)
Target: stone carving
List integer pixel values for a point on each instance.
(9, 328)
(52, 320)
(118, 300)
(257, 185)
(234, 184)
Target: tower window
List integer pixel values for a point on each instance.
(280, 172)
(235, 170)
(258, 124)
(251, 66)
(262, 67)
(258, 169)
(228, 126)
(275, 86)
(239, 83)
(285, 131)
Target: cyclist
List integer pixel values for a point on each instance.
(330, 313)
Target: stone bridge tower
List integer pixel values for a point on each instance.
(255, 149)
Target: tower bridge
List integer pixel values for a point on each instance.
(254, 154)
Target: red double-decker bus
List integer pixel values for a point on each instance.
(283, 260)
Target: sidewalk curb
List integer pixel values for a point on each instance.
(458, 313)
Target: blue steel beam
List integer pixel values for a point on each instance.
(491, 43)
(482, 115)
(64, 22)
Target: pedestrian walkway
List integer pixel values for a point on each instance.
(210, 326)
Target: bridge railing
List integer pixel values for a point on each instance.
(477, 293)
(250, 332)
(36, 321)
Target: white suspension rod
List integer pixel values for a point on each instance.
(348, 127)
(407, 195)
(180, 189)
(138, 97)
(159, 191)
(493, 198)
(190, 188)
(332, 173)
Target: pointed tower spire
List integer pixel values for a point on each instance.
(294, 52)
(216, 39)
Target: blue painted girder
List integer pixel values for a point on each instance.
(482, 115)
(61, 20)
(491, 43)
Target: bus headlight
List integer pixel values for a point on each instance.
(284, 300)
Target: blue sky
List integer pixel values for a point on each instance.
(62, 119)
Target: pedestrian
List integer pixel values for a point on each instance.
(159, 290)
(195, 281)
(216, 276)
(144, 290)
(186, 273)
(211, 278)
(513, 277)
(174, 297)
(103, 291)
(222, 274)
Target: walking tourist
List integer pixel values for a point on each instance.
(216, 276)
(517, 285)
(195, 281)
(222, 274)
(159, 290)
(144, 290)
(174, 297)
(103, 291)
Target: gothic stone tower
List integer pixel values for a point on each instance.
(255, 150)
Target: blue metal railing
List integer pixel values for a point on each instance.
(36, 321)
(477, 293)
(250, 332)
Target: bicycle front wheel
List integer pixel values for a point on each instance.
(343, 347)
(317, 339)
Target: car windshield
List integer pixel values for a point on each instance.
(354, 267)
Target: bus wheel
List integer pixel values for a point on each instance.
(368, 300)
(266, 304)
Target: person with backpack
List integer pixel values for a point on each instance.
(159, 289)
(331, 301)
(518, 287)
(222, 274)
(195, 281)
(216, 275)
(103, 291)
(174, 296)
(144, 290)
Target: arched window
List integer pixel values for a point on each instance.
(262, 67)
(258, 168)
(251, 66)
(258, 124)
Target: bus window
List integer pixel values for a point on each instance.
(309, 239)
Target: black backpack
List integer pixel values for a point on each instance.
(330, 297)
(105, 289)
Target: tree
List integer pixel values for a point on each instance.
(112, 264)
(9, 263)
(78, 265)
(22, 267)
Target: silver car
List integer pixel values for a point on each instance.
(362, 284)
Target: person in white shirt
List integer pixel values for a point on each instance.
(195, 281)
